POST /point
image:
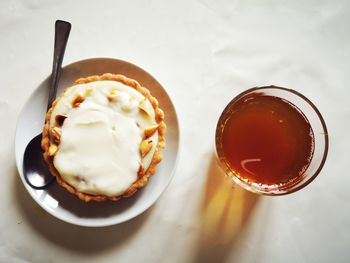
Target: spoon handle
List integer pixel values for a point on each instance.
(62, 30)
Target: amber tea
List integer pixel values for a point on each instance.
(266, 140)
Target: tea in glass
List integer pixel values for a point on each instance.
(265, 141)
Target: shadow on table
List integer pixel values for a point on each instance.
(224, 214)
(80, 239)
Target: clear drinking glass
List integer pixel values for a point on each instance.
(320, 141)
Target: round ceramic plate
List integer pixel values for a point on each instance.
(67, 207)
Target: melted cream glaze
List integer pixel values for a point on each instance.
(99, 147)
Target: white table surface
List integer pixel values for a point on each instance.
(204, 53)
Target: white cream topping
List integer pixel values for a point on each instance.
(99, 146)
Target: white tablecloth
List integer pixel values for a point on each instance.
(204, 53)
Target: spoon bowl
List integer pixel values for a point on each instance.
(35, 168)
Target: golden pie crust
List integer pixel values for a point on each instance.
(47, 141)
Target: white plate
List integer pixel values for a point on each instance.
(65, 206)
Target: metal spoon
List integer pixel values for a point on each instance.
(35, 170)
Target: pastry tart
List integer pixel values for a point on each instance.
(103, 137)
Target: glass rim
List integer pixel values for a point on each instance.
(302, 182)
